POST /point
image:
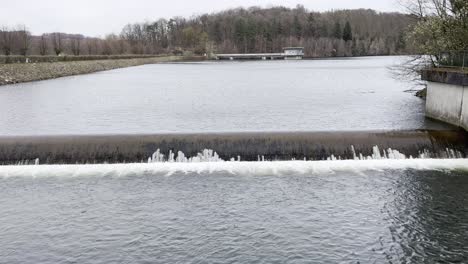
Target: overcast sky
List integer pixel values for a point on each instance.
(100, 17)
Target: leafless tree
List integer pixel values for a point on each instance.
(24, 38)
(442, 25)
(57, 43)
(43, 45)
(6, 41)
(250, 30)
(75, 45)
(92, 46)
(424, 8)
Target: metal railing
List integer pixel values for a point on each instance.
(453, 59)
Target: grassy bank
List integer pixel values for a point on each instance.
(27, 72)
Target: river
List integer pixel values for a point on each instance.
(283, 212)
(308, 95)
(379, 206)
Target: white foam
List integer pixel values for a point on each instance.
(236, 168)
(208, 155)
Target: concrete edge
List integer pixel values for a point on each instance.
(445, 76)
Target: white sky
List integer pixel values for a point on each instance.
(100, 17)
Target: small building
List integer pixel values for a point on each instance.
(293, 53)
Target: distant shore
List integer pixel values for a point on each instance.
(28, 72)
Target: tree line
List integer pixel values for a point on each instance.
(442, 26)
(439, 36)
(334, 33)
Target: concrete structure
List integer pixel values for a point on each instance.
(89, 149)
(250, 56)
(293, 53)
(289, 53)
(447, 96)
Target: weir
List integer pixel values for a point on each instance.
(92, 149)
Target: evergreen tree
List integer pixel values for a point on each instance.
(240, 32)
(311, 26)
(347, 32)
(297, 27)
(337, 31)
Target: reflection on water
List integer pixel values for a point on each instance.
(429, 217)
(309, 95)
(398, 216)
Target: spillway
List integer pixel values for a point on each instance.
(279, 146)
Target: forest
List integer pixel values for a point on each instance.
(360, 32)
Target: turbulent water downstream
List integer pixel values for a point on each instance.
(160, 164)
(293, 212)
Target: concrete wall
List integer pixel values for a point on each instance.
(464, 110)
(448, 103)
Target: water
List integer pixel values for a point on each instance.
(309, 95)
(354, 211)
(281, 212)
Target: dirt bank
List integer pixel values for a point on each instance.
(21, 72)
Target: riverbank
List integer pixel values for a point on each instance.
(28, 72)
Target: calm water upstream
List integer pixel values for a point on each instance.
(130, 216)
(309, 95)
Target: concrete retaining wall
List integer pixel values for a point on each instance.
(447, 96)
(464, 110)
(445, 101)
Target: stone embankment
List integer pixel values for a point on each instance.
(27, 72)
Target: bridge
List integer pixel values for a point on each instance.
(289, 53)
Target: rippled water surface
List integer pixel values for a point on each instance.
(308, 95)
(398, 216)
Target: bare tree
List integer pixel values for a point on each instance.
(75, 45)
(442, 26)
(251, 30)
(92, 46)
(423, 9)
(57, 43)
(6, 41)
(43, 45)
(24, 38)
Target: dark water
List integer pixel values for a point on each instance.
(309, 95)
(392, 216)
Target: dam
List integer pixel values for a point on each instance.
(234, 146)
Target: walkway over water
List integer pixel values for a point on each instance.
(295, 53)
(251, 56)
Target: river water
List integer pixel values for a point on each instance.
(354, 211)
(308, 95)
(283, 212)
